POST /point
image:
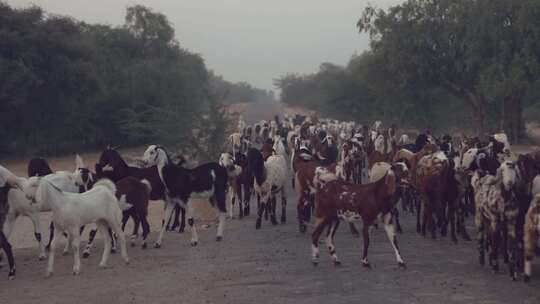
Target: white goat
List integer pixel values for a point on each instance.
(72, 210)
(233, 171)
(269, 182)
(20, 205)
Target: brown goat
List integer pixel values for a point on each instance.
(343, 199)
(305, 187)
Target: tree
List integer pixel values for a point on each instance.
(466, 47)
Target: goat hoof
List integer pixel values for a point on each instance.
(113, 251)
(193, 243)
(144, 246)
(402, 265)
(315, 262)
(41, 257)
(85, 255)
(157, 245)
(76, 272)
(366, 265)
(11, 277)
(258, 224)
(219, 238)
(454, 240)
(64, 253)
(49, 274)
(273, 220)
(337, 263)
(526, 278)
(303, 228)
(466, 237)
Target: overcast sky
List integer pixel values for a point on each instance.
(245, 40)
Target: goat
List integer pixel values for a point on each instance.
(496, 214)
(111, 159)
(73, 210)
(4, 242)
(532, 232)
(206, 181)
(234, 189)
(136, 193)
(20, 205)
(352, 201)
(38, 167)
(270, 177)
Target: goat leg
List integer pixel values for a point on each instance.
(146, 231)
(6, 246)
(90, 243)
(260, 210)
(365, 234)
(272, 211)
(395, 214)
(283, 207)
(176, 222)
(320, 223)
(353, 229)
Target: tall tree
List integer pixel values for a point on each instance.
(482, 51)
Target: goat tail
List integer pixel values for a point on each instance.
(107, 183)
(147, 185)
(123, 204)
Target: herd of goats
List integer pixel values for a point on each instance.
(340, 170)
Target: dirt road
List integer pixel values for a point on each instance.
(271, 265)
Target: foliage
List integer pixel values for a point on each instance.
(67, 85)
(238, 92)
(478, 59)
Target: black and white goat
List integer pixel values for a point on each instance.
(205, 181)
(270, 178)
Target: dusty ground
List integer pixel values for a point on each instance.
(271, 265)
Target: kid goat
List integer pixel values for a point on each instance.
(73, 210)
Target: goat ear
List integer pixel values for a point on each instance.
(79, 163)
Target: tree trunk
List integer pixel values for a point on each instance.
(512, 117)
(477, 103)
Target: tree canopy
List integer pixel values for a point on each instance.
(67, 85)
(478, 59)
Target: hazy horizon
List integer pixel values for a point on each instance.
(245, 40)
